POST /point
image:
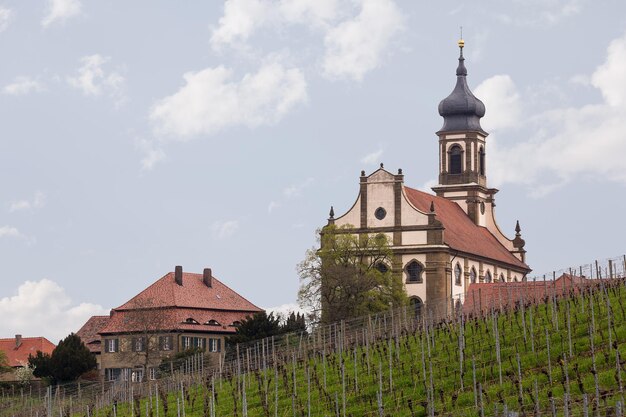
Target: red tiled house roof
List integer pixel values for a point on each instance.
(19, 348)
(89, 332)
(166, 305)
(461, 233)
(501, 295)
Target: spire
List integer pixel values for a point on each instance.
(461, 70)
(332, 212)
(461, 110)
(517, 229)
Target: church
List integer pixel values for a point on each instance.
(445, 241)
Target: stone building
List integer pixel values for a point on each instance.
(443, 242)
(179, 311)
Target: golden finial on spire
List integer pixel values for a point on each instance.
(461, 42)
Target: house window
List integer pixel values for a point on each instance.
(481, 161)
(488, 276)
(136, 375)
(112, 374)
(111, 345)
(473, 275)
(215, 345)
(414, 272)
(139, 344)
(416, 304)
(213, 323)
(458, 272)
(456, 159)
(236, 323)
(165, 343)
(382, 268)
(191, 321)
(502, 278)
(193, 342)
(152, 373)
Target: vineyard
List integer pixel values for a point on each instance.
(562, 355)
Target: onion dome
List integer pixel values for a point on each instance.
(461, 110)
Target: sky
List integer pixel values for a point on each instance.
(136, 136)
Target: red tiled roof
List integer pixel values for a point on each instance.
(89, 332)
(175, 303)
(461, 233)
(193, 294)
(483, 296)
(173, 319)
(18, 356)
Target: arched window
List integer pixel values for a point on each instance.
(414, 272)
(382, 268)
(481, 161)
(473, 275)
(456, 159)
(416, 304)
(502, 278)
(213, 323)
(458, 272)
(190, 321)
(488, 276)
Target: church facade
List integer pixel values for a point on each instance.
(444, 241)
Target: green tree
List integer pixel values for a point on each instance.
(294, 323)
(4, 363)
(69, 360)
(254, 327)
(40, 364)
(350, 275)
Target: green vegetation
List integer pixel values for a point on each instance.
(69, 360)
(564, 355)
(349, 276)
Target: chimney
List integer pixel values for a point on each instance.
(207, 277)
(18, 340)
(178, 275)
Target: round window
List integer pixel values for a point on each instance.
(482, 207)
(380, 213)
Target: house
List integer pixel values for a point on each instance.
(19, 348)
(179, 311)
(445, 241)
(89, 335)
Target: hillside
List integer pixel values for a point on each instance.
(562, 356)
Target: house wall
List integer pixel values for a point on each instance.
(126, 358)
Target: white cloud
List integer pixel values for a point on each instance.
(43, 308)
(151, 151)
(60, 11)
(295, 190)
(284, 310)
(355, 33)
(93, 80)
(568, 143)
(224, 229)
(356, 46)
(9, 231)
(273, 205)
(6, 16)
(38, 201)
(242, 18)
(211, 101)
(502, 102)
(372, 158)
(23, 85)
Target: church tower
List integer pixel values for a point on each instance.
(462, 147)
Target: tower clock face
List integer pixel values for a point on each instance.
(380, 213)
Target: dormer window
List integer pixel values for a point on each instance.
(236, 323)
(190, 321)
(212, 323)
(456, 159)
